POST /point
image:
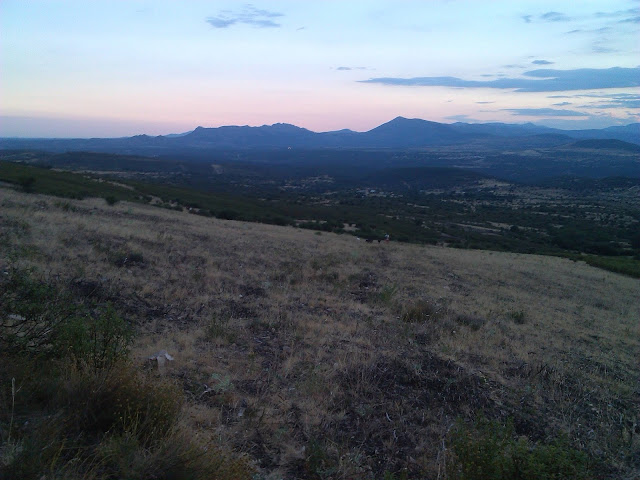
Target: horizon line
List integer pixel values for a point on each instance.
(302, 128)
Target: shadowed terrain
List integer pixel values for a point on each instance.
(321, 356)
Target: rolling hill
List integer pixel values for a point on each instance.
(307, 355)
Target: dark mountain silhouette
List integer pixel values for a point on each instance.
(627, 133)
(406, 133)
(400, 133)
(280, 135)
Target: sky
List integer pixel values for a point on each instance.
(119, 68)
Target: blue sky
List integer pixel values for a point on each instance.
(115, 68)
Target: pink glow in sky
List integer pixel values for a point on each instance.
(104, 68)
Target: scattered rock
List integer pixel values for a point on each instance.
(160, 359)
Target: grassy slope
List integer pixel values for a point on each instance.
(306, 335)
(226, 206)
(63, 184)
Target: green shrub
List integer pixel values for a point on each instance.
(120, 402)
(115, 426)
(385, 296)
(84, 412)
(518, 316)
(41, 320)
(319, 464)
(98, 341)
(490, 450)
(219, 328)
(32, 314)
(111, 200)
(27, 182)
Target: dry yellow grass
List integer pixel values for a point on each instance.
(294, 347)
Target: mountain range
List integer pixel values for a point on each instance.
(399, 133)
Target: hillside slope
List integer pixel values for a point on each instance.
(322, 356)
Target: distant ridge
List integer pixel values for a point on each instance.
(399, 133)
(607, 144)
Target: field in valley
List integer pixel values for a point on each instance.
(317, 355)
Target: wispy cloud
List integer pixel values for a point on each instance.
(542, 62)
(601, 41)
(600, 30)
(546, 17)
(631, 20)
(628, 15)
(619, 16)
(617, 13)
(249, 15)
(602, 47)
(544, 112)
(620, 100)
(561, 104)
(603, 100)
(346, 69)
(543, 80)
(554, 17)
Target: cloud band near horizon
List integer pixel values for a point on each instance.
(543, 80)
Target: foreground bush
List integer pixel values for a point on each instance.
(489, 450)
(75, 408)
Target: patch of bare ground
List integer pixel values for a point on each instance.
(320, 356)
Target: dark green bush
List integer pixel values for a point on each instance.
(387, 293)
(111, 200)
(42, 320)
(27, 182)
(489, 450)
(518, 316)
(98, 341)
(32, 314)
(84, 412)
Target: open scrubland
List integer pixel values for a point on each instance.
(300, 354)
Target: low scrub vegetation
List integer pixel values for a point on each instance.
(490, 450)
(625, 265)
(596, 220)
(299, 355)
(75, 407)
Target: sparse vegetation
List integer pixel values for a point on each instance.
(490, 450)
(474, 322)
(78, 409)
(422, 311)
(518, 316)
(596, 219)
(302, 356)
